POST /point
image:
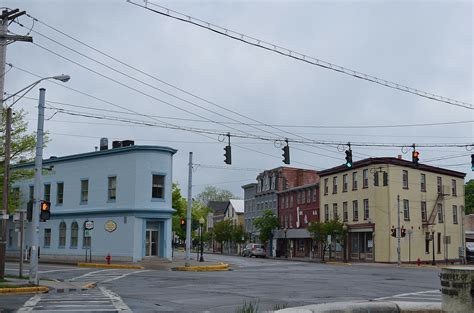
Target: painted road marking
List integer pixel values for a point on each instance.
(96, 300)
(420, 296)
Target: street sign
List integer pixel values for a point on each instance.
(88, 225)
(87, 233)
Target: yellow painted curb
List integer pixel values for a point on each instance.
(220, 267)
(24, 289)
(101, 265)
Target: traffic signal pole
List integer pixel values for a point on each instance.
(188, 211)
(34, 235)
(398, 231)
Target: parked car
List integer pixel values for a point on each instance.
(254, 249)
(470, 251)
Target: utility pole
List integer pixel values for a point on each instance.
(37, 192)
(188, 212)
(22, 240)
(398, 231)
(5, 17)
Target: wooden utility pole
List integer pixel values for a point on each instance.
(5, 38)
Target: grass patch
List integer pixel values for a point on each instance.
(3, 285)
(251, 307)
(16, 277)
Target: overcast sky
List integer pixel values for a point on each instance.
(423, 44)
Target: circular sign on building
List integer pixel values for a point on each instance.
(89, 225)
(110, 226)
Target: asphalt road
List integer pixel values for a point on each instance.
(267, 282)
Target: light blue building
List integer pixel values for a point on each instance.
(125, 192)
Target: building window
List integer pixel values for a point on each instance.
(406, 210)
(47, 192)
(47, 237)
(334, 184)
(326, 187)
(345, 214)
(440, 213)
(291, 221)
(59, 193)
(298, 197)
(158, 187)
(303, 197)
(291, 200)
(74, 234)
(112, 188)
(344, 183)
(439, 184)
(354, 181)
(439, 243)
(355, 211)
(453, 188)
(376, 178)
(366, 209)
(385, 178)
(427, 243)
(84, 190)
(455, 214)
(308, 198)
(424, 217)
(423, 182)
(326, 212)
(405, 179)
(315, 195)
(62, 235)
(365, 178)
(335, 214)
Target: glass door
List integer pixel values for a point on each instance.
(151, 244)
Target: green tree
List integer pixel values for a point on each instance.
(322, 230)
(469, 197)
(238, 234)
(266, 224)
(222, 232)
(211, 193)
(22, 150)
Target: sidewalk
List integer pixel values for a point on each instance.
(44, 286)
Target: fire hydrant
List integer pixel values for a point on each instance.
(418, 262)
(108, 258)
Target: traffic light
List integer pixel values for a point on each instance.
(415, 157)
(45, 213)
(403, 232)
(393, 232)
(228, 155)
(286, 154)
(349, 158)
(472, 162)
(182, 223)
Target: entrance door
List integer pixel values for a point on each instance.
(151, 248)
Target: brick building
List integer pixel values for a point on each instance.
(264, 196)
(297, 207)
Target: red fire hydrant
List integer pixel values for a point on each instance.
(108, 258)
(418, 262)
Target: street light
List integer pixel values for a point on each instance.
(201, 223)
(344, 228)
(6, 178)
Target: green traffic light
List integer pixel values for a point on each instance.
(349, 165)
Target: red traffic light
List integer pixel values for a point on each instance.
(182, 221)
(416, 154)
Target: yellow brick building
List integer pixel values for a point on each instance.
(365, 197)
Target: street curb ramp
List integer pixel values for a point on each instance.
(203, 268)
(367, 307)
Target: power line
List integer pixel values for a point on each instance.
(281, 125)
(296, 55)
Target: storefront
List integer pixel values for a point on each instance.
(361, 244)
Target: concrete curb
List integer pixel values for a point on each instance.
(220, 267)
(367, 307)
(337, 263)
(102, 265)
(23, 290)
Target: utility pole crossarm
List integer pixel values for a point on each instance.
(16, 37)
